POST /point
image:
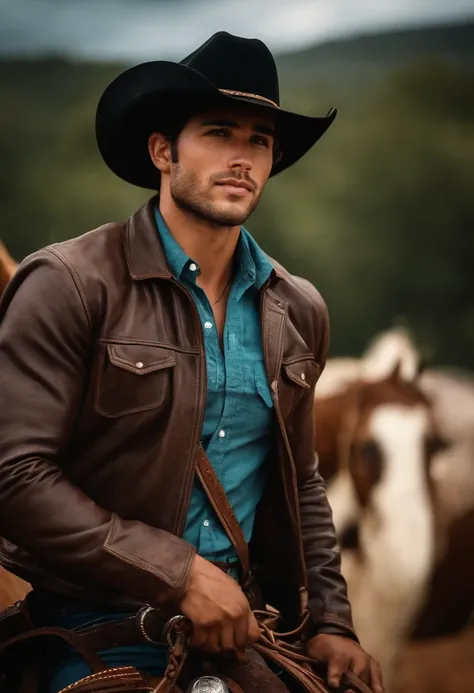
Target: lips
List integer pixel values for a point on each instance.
(235, 183)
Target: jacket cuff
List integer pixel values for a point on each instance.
(331, 625)
(334, 630)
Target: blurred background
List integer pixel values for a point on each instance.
(379, 215)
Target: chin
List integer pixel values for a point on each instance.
(228, 220)
(235, 214)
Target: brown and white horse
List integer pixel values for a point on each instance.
(376, 436)
(403, 501)
(8, 267)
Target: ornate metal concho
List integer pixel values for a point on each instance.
(208, 684)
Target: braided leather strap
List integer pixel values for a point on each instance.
(277, 648)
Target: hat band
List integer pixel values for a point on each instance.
(230, 92)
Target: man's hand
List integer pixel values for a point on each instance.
(342, 655)
(219, 611)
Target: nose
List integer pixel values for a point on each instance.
(241, 159)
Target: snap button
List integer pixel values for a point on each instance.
(208, 325)
(303, 376)
(222, 433)
(139, 364)
(193, 267)
(206, 523)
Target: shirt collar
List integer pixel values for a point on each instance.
(252, 264)
(178, 260)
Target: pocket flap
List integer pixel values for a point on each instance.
(140, 359)
(303, 373)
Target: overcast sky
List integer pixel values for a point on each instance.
(137, 30)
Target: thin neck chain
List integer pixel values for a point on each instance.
(225, 289)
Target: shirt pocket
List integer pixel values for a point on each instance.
(133, 378)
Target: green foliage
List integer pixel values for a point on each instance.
(379, 215)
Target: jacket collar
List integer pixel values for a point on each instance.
(144, 252)
(145, 255)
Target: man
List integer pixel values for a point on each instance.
(124, 348)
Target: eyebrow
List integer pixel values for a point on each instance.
(219, 122)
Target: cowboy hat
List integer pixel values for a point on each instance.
(226, 69)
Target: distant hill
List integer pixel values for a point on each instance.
(366, 57)
(343, 62)
(379, 215)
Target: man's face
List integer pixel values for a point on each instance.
(224, 159)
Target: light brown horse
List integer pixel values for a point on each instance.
(8, 267)
(376, 441)
(382, 433)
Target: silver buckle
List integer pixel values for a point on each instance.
(172, 625)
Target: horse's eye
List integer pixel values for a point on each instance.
(370, 451)
(370, 457)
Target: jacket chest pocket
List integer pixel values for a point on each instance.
(299, 376)
(133, 378)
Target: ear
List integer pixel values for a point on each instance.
(160, 151)
(395, 374)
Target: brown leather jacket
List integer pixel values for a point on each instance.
(102, 395)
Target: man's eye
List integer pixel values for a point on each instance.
(261, 141)
(218, 132)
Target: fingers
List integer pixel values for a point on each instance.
(213, 642)
(253, 629)
(376, 682)
(218, 610)
(198, 637)
(368, 670)
(228, 638)
(360, 667)
(241, 629)
(337, 666)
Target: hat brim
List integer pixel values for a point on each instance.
(147, 96)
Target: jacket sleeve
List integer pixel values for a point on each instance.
(46, 339)
(327, 590)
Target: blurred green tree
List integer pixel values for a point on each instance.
(379, 215)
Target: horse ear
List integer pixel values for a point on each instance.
(396, 372)
(423, 363)
(391, 355)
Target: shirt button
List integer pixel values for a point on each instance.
(139, 364)
(206, 523)
(222, 433)
(193, 267)
(208, 325)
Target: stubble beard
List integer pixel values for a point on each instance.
(186, 191)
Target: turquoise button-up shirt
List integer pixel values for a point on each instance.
(238, 418)
(236, 433)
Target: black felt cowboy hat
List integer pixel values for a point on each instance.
(224, 70)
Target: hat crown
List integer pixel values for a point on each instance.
(237, 64)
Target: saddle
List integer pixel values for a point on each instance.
(275, 651)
